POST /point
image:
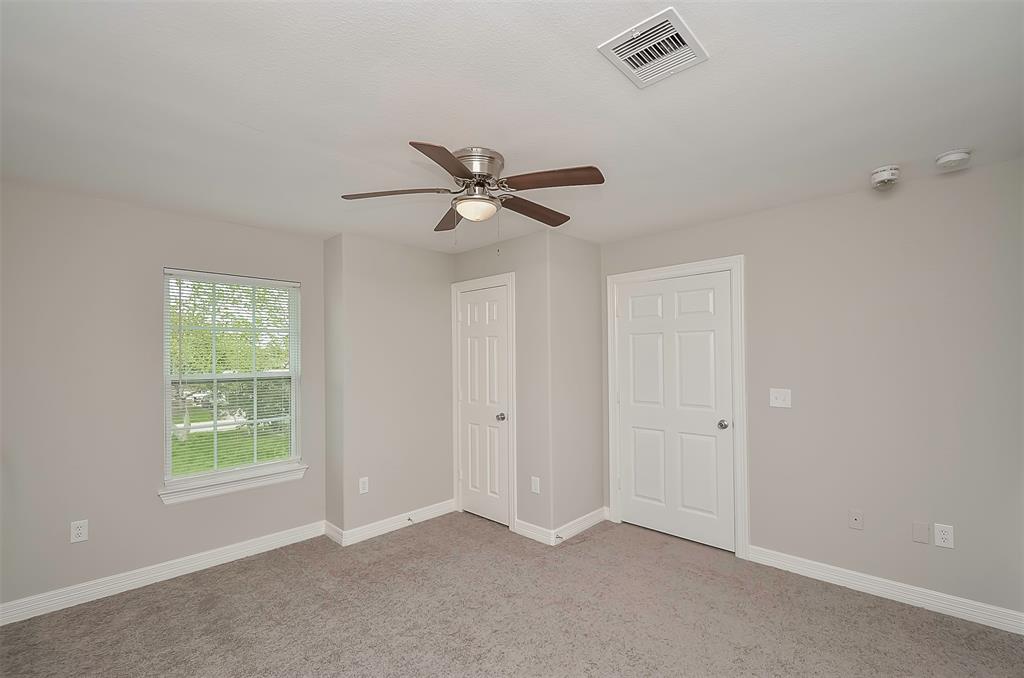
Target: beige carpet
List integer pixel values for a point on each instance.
(461, 596)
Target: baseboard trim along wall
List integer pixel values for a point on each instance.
(954, 606)
(358, 534)
(531, 531)
(76, 594)
(51, 601)
(567, 531)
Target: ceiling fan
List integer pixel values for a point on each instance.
(482, 191)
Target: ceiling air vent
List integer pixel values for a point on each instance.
(655, 49)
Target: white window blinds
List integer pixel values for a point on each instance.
(231, 372)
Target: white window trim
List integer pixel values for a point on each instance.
(213, 483)
(222, 482)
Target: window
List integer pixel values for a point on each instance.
(231, 377)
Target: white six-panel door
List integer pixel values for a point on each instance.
(483, 399)
(675, 406)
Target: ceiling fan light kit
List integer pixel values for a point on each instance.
(476, 204)
(481, 189)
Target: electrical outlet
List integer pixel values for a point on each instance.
(79, 531)
(856, 519)
(364, 485)
(780, 397)
(535, 484)
(922, 533)
(944, 536)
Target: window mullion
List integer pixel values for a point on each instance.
(231, 376)
(216, 390)
(255, 390)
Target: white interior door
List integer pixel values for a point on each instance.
(675, 406)
(484, 394)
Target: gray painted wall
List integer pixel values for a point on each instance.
(82, 388)
(389, 332)
(527, 258)
(558, 380)
(334, 390)
(577, 455)
(896, 319)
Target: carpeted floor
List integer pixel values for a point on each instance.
(461, 596)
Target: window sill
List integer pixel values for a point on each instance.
(187, 489)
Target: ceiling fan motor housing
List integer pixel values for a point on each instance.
(481, 160)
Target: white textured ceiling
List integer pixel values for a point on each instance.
(266, 113)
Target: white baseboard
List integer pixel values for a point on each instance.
(333, 532)
(51, 601)
(567, 531)
(534, 532)
(962, 608)
(574, 527)
(358, 534)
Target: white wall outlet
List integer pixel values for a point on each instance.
(535, 484)
(856, 519)
(922, 533)
(944, 536)
(364, 485)
(79, 531)
(780, 397)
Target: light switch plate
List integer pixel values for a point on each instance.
(364, 485)
(535, 484)
(780, 397)
(922, 533)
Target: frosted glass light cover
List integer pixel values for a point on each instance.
(476, 210)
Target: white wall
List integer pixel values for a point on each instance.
(389, 409)
(82, 286)
(897, 321)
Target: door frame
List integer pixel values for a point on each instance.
(734, 265)
(508, 281)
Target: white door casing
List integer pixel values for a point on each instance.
(483, 376)
(675, 372)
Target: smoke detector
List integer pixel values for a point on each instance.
(885, 177)
(951, 161)
(655, 48)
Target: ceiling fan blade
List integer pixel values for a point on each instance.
(449, 221)
(405, 191)
(569, 176)
(443, 157)
(531, 209)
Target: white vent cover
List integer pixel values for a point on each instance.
(655, 48)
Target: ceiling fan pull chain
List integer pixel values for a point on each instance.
(497, 223)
